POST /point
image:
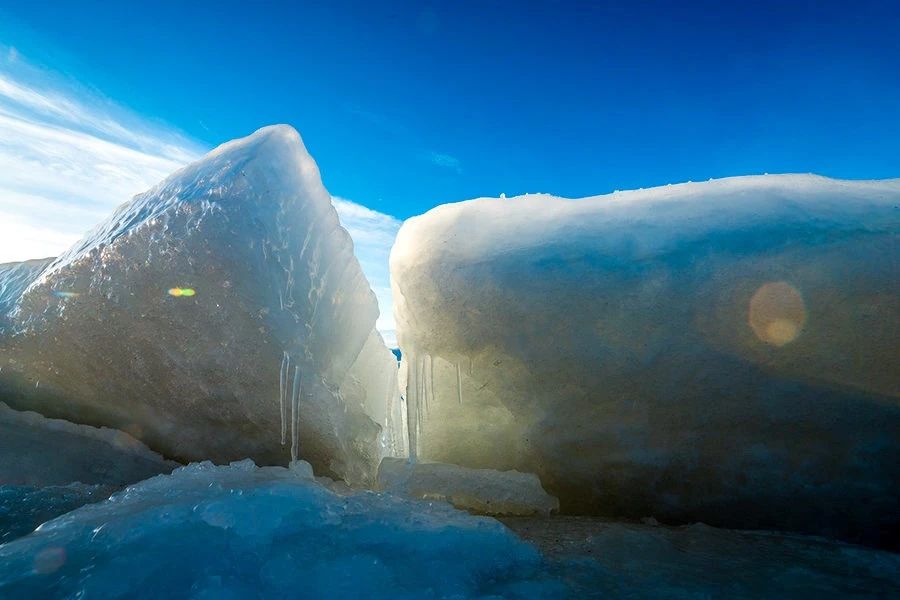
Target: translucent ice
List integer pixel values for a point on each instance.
(240, 531)
(721, 351)
(482, 491)
(246, 532)
(173, 319)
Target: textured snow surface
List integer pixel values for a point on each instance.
(247, 532)
(483, 491)
(721, 351)
(215, 316)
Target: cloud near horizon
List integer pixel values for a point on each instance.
(69, 157)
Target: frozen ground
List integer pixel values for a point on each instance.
(720, 352)
(245, 532)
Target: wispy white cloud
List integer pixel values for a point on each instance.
(373, 235)
(445, 160)
(68, 157)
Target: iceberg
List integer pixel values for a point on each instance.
(217, 316)
(720, 351)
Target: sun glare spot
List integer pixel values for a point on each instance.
(179, 292)
(777, 313)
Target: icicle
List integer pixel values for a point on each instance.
(458, 383)
(471, 367)
(282, 389)
(422, 386)
(412, 408)
(295, 415)
(431, 378)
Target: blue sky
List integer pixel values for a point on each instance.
(407, 105)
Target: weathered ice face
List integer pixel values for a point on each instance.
(718, 352)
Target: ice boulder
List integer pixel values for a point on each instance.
(482, 491)
(215, 316)
(722, 351)
(241, 531)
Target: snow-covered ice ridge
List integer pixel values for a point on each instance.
(721, 351)
(220, 315)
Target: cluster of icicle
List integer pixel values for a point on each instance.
(420, 392)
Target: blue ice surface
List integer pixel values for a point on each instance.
(241, 531)
(22, 507)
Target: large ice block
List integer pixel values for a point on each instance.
(722, 351)
(215, 316)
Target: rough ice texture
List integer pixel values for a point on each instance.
(15, 279)
(482, 491)
(279, 313)
(247, 532)
(722, 351)
(24, 507)
(36, 451)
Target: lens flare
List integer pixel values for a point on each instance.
(59, 294)
(777, 313)
(179, 292)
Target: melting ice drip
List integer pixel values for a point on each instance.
(420, 392)
(295, 404)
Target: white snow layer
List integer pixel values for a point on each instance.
(721, 351)
(482, 491)
(247, 532)
(215, 316)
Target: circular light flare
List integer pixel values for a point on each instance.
(49, 560)
(777, 313)
(178, 292)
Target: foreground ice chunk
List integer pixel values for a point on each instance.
(722, 351)
(247, 532)
(215, 316)
(24, 507)
(483, 491)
